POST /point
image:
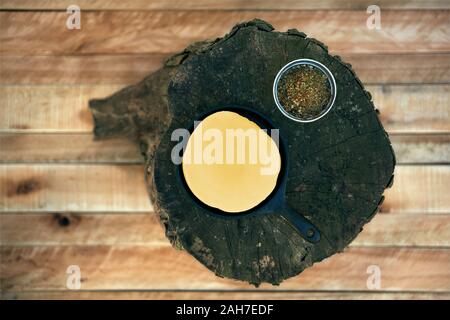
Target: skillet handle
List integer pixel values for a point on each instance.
(303, 226)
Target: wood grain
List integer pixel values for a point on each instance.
(221, 4)
(68, 229)
(421, 149)
(77, 148)
(95, 69)
(104, 188)
(60, 107)
(150, 268)
(63, 108)
(83, 149)
(119, 32)
(224, 295)
(406, 230)
(413, 108)
(73, 188)
(415, 68)
(66, 199)
(419, 189)
(129, 228)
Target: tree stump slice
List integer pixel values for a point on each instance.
(339, 165)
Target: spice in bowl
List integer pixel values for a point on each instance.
(304, 92)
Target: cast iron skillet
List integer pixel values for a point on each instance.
(276, 202)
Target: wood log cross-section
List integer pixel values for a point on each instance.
(338, 168)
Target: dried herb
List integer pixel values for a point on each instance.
(304, 92)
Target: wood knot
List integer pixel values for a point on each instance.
(25, 187)
(64, 220)
(19, 126)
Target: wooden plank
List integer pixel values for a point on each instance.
(27, 229)
(223, 295)
(73, 188)
(96, 69)
(404, 108)
(419, 68)
(413, 109)
(150, 268)
(421, 149)
(221, 4)
(419, 189)
(60, 107)
(119, 32)
(127, 69)
(68, 148)
(406, 230)
(104, 188)
(82, 148)
(128, 228)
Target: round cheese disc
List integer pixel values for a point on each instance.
(230, 163)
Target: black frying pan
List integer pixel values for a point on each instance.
(276, 202)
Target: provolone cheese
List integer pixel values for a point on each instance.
(230, 163)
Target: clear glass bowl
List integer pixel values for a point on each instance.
(312, 63)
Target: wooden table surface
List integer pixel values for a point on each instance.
(68, 200)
